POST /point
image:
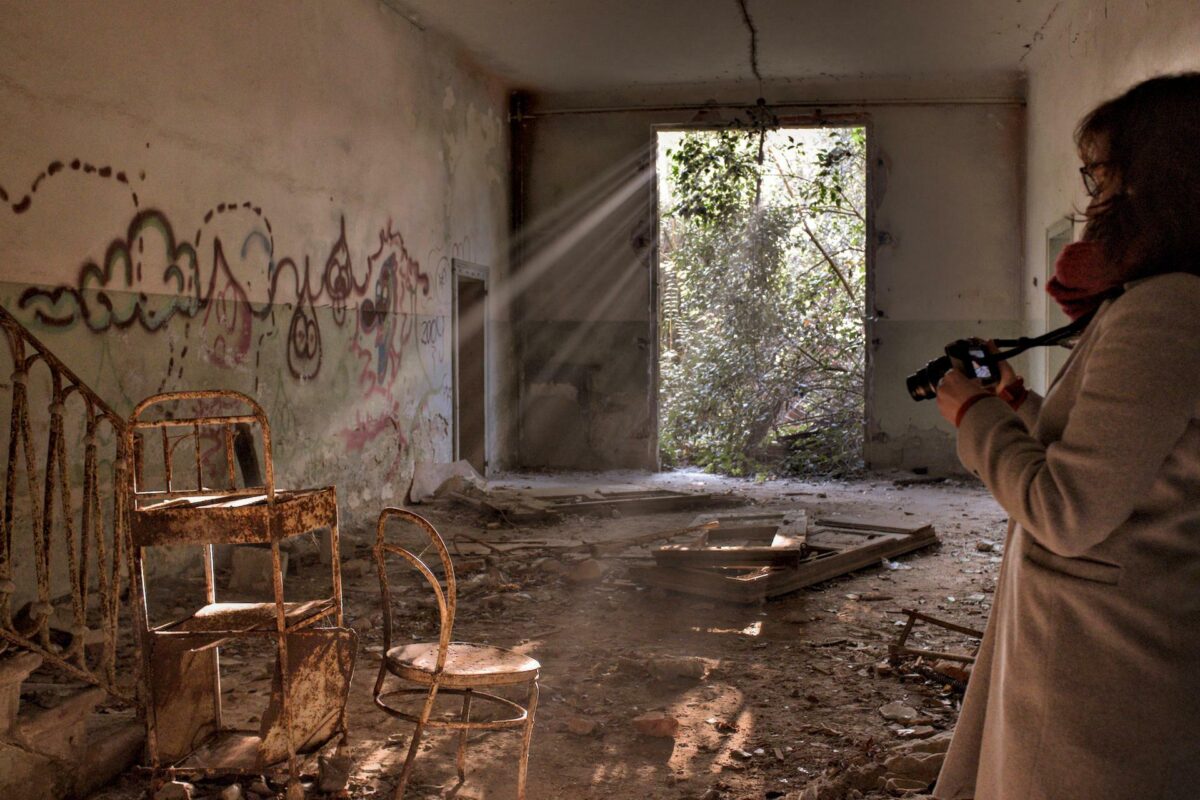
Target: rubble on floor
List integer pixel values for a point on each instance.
(908, 770)
(460, 485)
(659, 694)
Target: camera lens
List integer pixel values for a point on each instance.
(922, 384)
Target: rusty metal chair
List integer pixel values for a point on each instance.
(204, 505)
(456, 668)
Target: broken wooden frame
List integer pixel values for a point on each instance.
(900, 646)
(743, 540)
(314, 654)
(832, 546)
(64, 534)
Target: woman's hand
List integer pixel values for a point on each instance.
(955, 389)
(1008, 376)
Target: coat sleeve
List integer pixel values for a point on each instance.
(1029, 410)
(1138, 393)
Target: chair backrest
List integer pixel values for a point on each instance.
(234, 432)
(446, 596)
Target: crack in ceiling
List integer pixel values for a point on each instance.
(753, 43)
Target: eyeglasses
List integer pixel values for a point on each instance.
(1090, 184)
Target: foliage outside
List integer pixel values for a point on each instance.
(763, 278)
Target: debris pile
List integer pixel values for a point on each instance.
(910, 770)
(954, 669)
(459, 484)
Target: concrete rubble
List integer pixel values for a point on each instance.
(788, 660)
(909, 769)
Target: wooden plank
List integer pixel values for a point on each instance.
(877, 522)
(727, 556)
(754, 539)
(833, 564)
(795, 519)
(749, 546)
(833, 551)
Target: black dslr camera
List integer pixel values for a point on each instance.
(975, 359)
(968, 356)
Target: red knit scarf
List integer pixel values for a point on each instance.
(1083, 279)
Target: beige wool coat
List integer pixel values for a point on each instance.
(1087, 685)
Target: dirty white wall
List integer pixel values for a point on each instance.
(946, 264)
(947, 260)
(256, 196)
(585, 333)
(1091, 52)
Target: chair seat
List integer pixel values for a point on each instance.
(467, 665)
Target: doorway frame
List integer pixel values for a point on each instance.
(461, 268)
(874, 162)
(1059, 234)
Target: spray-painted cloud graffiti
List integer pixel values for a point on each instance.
(115, 293)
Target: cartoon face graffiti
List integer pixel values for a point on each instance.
(304, 343)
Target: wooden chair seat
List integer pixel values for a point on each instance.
(467, 665)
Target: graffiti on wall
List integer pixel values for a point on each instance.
(148, 277)
(77, 165)
(226, 295)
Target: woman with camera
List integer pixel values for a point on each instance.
(1087, 683)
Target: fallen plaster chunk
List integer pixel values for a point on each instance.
(920, 767)
(430, 479)
(587, 571)
(678, 667)
(656, 723)
(581, 726)
(898, 712)
(175, 790)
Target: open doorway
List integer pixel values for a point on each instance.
(762, 297)
(469, 329)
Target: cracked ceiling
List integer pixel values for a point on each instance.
(623, 49)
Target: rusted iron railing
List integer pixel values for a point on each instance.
(77, 543)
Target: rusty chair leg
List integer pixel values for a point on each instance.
(462, 737)
(413, 746)
(523, 765)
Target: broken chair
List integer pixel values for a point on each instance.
(171, 509)
(445, 666)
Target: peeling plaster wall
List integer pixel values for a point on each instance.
(1091, 52)
(263, 197)
(946, 260)
(585, 332)
(946, 264)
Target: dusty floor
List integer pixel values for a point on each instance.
(790, 690)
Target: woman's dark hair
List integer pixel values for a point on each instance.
(1150, 138)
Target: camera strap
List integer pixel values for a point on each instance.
(1024, 343)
